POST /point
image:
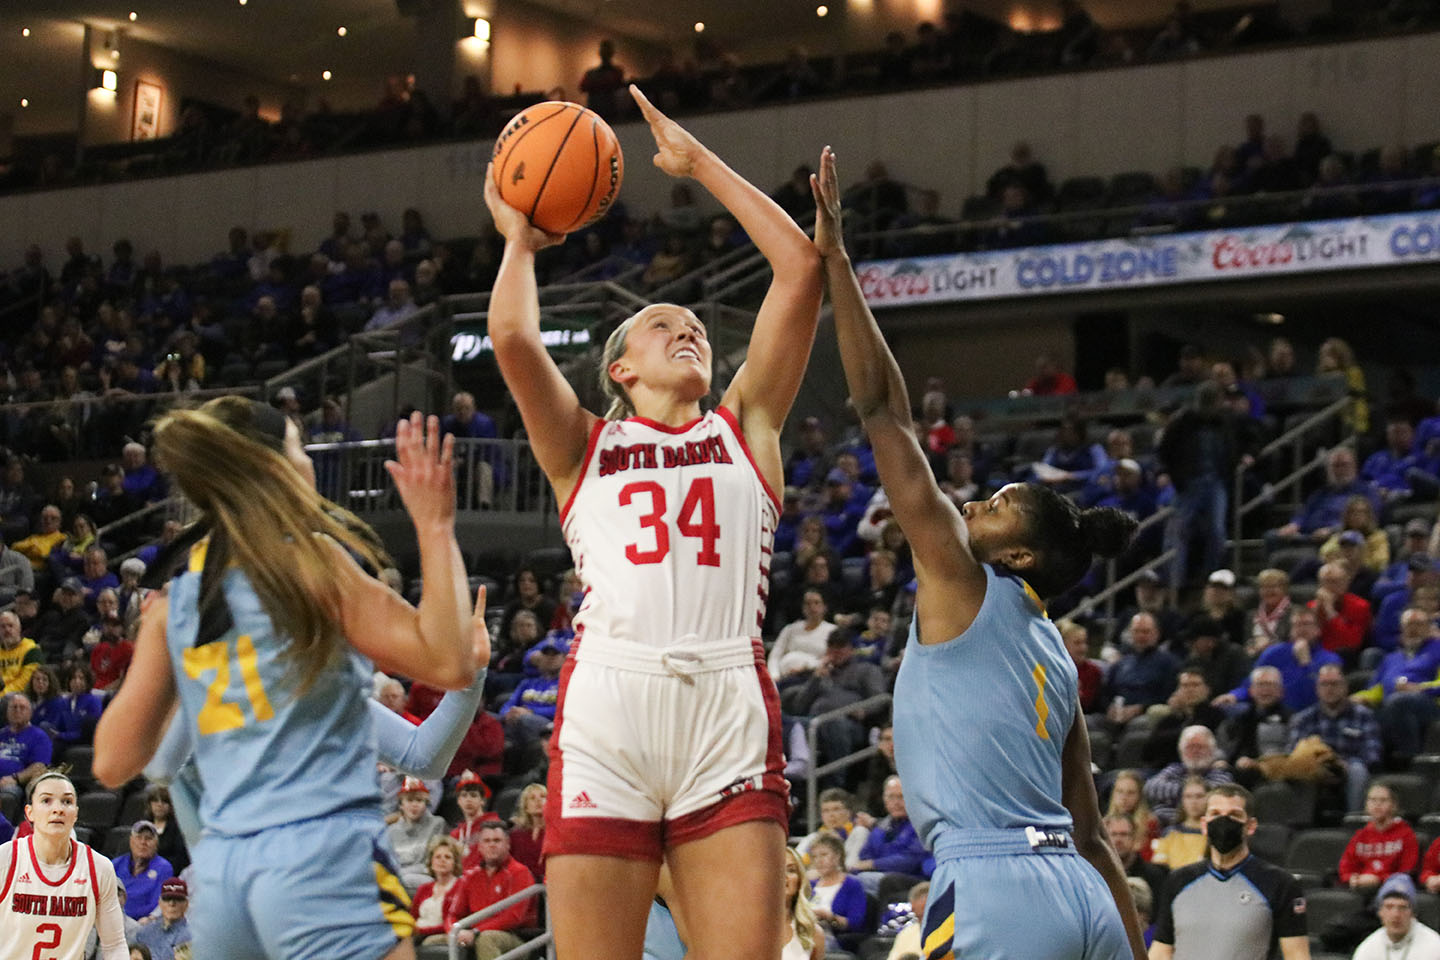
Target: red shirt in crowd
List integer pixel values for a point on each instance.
(1380, 852)
(482, 749)
(526, 849)
(1059, 384)
(423, 699)
(1430, 866)
(1091, 679)
(425, 892)
(479, 888)
(468, 833)
(108, 661)
(1347, 629)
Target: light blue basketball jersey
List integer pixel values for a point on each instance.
(267, 757)
(981, 719)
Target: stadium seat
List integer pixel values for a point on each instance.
(1427, 910)
(1132, 745)
(136, 807)
(80, 759)
(117, 841)
(1080, 193)
(1291, 804)
(434, 951)
(498, 562)
(1132, 188)
(1412, 791)
(505, 802)
(1100, 748)
(1314, 855)
(1357, 680)
(1323, 906)
(782, 560)
(549, 562)
(268, 369)
(1406, 512)
(1271, 841)
(84, 834)
(99, 809)
(1288, 558)
(1432, 737)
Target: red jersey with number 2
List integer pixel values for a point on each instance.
(671, 531)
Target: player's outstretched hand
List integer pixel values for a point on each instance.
(481, 631)
(424, 472)
(826, 187)
(513, 225)
(678, 148)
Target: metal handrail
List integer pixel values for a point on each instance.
(1301, 469)
(1107, 596)
(546, 939)
(127, 397)
(135, 516)
(812, 727)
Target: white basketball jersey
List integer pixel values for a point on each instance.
(671, 531)
(47, 915)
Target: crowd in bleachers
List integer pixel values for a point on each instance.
(963, 46)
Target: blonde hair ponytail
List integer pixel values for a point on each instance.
(621, 405)
(264, 517)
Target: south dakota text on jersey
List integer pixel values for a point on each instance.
(642, 456)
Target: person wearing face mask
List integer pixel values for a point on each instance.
(1230, 904)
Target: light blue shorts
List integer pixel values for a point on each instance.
(1033, 905)
(321, 889)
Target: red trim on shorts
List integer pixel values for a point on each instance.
(729, 418)
(590, 445)
(603, 836)
(41, 873)
(10, 875)
(664, 427)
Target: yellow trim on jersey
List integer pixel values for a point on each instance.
(1042, 709)
(394, 903)
(197, 555)
(1034, 597)
(940, 945)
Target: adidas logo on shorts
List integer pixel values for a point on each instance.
(582, 801)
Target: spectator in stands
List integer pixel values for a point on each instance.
(529, 714)
(839, 681)
(1200, 756)
(842, 513)
(1199, 449)
(1347, 727)
(1128, 490)
(1174, 40)
(398, 307)
(96, 577)
(1414, 539)
(25, 750)
(1191, 914)
(527, 829)
(1404, 685)
(1143, 677)
(1050, 380)
(1349, 549)
(1261, 728)
(411, 835)
(112, 501)
(837, 819)
(1188, 706)
(499, 876)
(465, 421)
(1016, 224)
(1123, 838)
(838, 899)
(165, 934)
(1152, 597)
(142, 871)
(528, 596)
(1311, 147)
(1025, 170)
(893, 846)
(1127, 799)
(1344, 617)
(1385, 845)
(1078, 39)
(602, 82)
(1336, 357)
(1092, 678)
(1269, 622)
(1298, 662)
(16, 575)
(1400, 934)
(1072, 459)
(1387, 468)
(802, 644)
(1422, 572)
(37, 546)
(870, 794)
(68, 558)
(793, 196)
(17, 501)
(109, 657)
(1192, 368)
(470, 796)
(19, 655)
(313, 328)
(60, 630)
(1184, 842)
(442, 863)
(1325, 508)
(142, 481)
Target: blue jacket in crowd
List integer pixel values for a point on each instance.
(894, 847)
(1146, 677)
(1299, 680)
(1326, 507)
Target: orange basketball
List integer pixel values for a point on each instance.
(559, 164)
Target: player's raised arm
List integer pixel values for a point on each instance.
(932, 524)
(1078, 795)
(557, 425)
(764, 388)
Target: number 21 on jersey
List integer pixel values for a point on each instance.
(696, 521)
(219, 714)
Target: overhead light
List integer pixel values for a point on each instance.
(115, 54)
(243, 2)
(105, 80)
(134, 16)
(341, 31)
(1270, 319)
(24, 102)
(482, 29)
(699, 26)
(821, 10)
(24, 31)
(325, 75)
